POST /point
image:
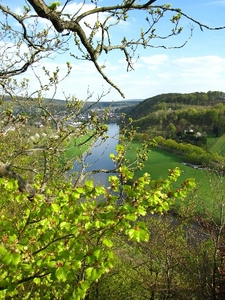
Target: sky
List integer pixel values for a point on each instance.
(197, 67)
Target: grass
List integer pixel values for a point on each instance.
(209, 189)
(74, 149)
(209, 186)
(217, 145)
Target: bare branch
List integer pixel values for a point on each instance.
(91, 46)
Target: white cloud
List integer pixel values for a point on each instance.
(155, 59)
(165, 75)
(220, 2)
(186, 74)
(200, 67)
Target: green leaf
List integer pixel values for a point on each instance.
(88, 225)
(141, 211)
(165, 206)
(77, 264)
(12, 238)
(76, 194)
(120, 148)
(55, 207)
(11, 287)
(37, 281)
(97, 252)
(89, 272)
(15, 258)
(7, 258)
(107, 243)
(137, 234)
(60, 274)
(54, 5)
(112, 156)
(84, 286)
(89, 184)
(2, 250)
(65, 225)
(99, 190)
(79, 190)
(131, 217)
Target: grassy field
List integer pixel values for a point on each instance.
(217, 145)
(78, 146)
(209, 186)
(73, 149)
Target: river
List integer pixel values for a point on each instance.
(98, 156)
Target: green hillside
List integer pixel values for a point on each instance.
(184, 117)
(177, 100)
(217, 145)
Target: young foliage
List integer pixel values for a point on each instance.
(62, 244)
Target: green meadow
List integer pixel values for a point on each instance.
(78, 146)
(208, 184)
(217, 145)
(209, 187)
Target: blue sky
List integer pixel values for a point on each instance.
(198, 66)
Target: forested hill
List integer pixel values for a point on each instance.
(170, 115)
(176, 100)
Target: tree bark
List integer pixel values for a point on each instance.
(7, 172)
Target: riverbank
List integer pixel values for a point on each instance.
(98, 156)
(159, 162)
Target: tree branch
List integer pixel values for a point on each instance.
(119, 12)
(7, 172)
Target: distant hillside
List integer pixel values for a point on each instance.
(123, 105)
(173, 114)
(95, 104)
(176, 100)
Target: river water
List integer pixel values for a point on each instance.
(99, 156)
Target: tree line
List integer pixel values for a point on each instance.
(173, 118)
